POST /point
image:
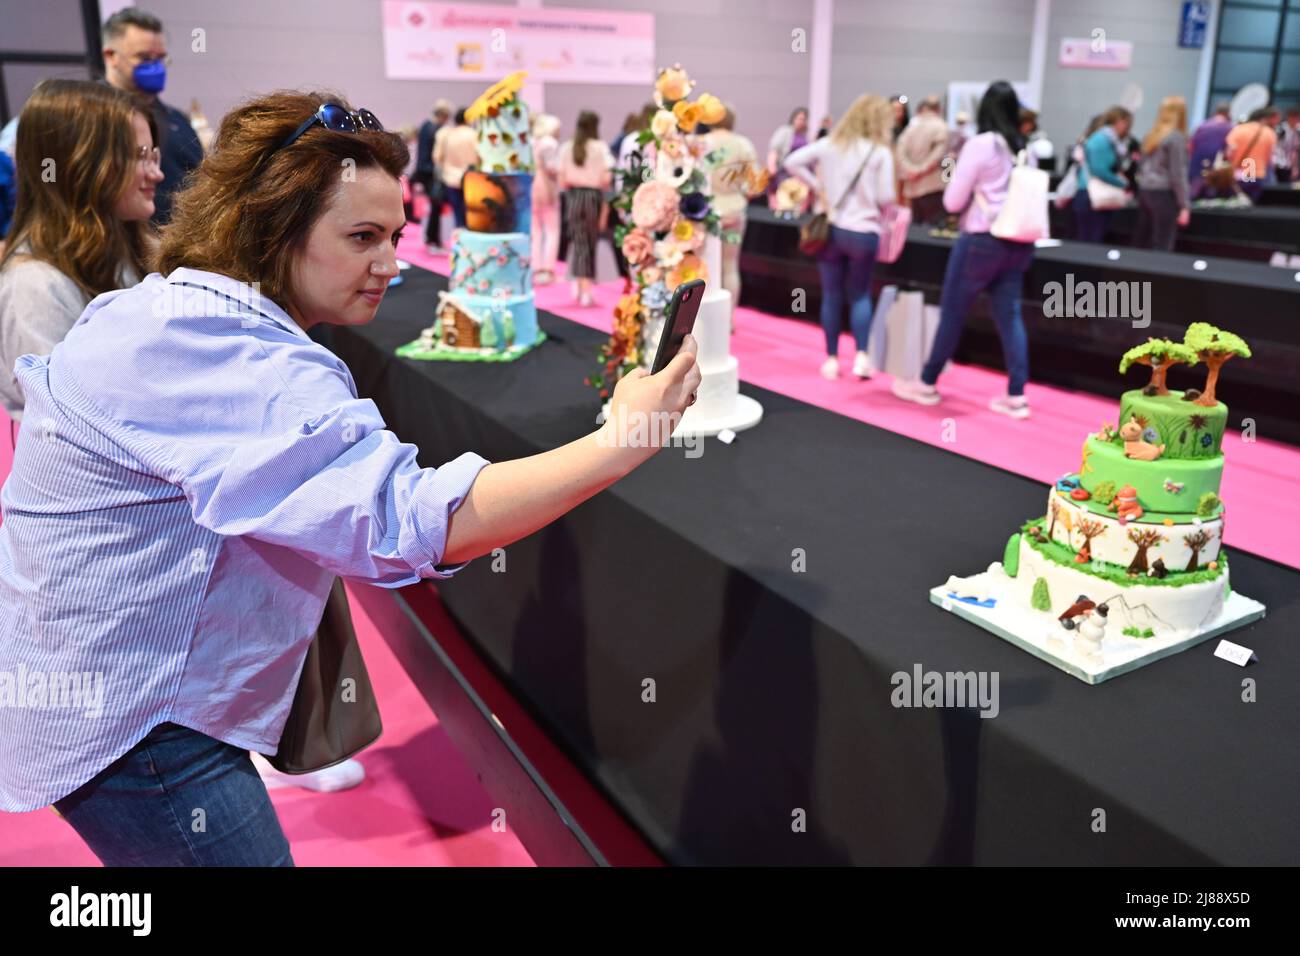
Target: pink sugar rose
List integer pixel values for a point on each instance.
(654, 205)
(637, 246)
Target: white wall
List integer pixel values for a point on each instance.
(1160, 68)
(740, 50)
(737, 49)
(916, 48)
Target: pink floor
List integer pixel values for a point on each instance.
(784, 355)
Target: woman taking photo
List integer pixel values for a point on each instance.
(81, 231)
(852, 173)
(979, 261)
(204, 470)
(586, 172)
(1163, 203)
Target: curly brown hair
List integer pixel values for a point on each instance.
(76, 156)
(246, 211)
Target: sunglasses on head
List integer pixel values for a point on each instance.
(340, 120)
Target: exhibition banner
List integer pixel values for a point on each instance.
(466, 41)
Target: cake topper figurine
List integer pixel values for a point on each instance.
(1135, 444)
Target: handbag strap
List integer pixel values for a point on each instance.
(856, 176)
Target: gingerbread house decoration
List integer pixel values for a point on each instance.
(458, 326)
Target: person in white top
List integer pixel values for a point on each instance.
(734, 162)
(82, 232)
(851, 172)
(546, 197)
(455, 149)
(586, 171)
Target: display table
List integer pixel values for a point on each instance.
(773, 686)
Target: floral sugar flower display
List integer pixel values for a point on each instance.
(667, 215)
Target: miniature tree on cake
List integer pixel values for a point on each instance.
(1213, 347)
(1040, 600)
(1144, 539)
(1160, 355)
(1197, 540)
(1090, 528)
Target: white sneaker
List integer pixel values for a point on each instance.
(341, 776)
(1017, 407)
(831, 367)
(910, 390)
(862, 365)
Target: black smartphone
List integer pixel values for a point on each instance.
(679, 320)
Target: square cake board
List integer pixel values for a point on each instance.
(1238, 611)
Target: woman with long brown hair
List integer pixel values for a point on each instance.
(205, 470)
(586, 171)
(1163, 200)
(87, 171)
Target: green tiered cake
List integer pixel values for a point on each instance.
(1127, 564)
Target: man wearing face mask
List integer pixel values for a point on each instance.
(135, 60)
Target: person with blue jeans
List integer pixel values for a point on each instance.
(979, 261)
(1103, 154)
(852, 171)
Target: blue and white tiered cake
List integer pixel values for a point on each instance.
(488, 313)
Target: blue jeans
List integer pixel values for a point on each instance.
(845, 266)
(456, 199)
(178, 798)
(980, 262)
(1089, 224)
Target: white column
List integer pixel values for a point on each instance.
(534, 91)
(819, 63)
(1201, 106)
(1038, 51)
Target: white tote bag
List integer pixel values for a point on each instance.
(1103, 196)
(1023, 217)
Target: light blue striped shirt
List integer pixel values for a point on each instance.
(192, 473)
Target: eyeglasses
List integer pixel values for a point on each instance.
(149, 155)
(340, 120)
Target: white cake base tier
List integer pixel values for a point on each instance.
(718, 402)
(1178, 623)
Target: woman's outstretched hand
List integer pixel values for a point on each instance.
(652, 405)
(512, 499)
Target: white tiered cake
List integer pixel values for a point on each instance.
(719, 404)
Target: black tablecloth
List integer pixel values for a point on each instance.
(1258, 302)
(1250, 232)
(773, 686)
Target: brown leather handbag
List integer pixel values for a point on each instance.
(334, 714)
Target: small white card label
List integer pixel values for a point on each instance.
(1235, 653)
(726, 436)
